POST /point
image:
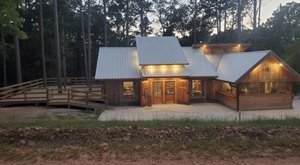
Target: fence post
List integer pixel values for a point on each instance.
(47, 98)
(87, 99)
(69, 99)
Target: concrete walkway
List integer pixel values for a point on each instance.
(199, 111)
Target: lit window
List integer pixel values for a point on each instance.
(128, 91)
(197, 88)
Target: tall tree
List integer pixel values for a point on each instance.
(105, 22)
(64, 66)
(254, 14)
(239, 20)
(89, 58)
(195, 21)
(259, 12)
(57, 46)
(18, 59)
(4, 58)
(127, 23)
(43, 44)
(83, 41)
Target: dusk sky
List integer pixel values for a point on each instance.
(268, 6)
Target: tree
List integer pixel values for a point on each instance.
(11, 23)
(57, 46)
(127, 23)
(83, 41)
(43, 44)
(105, 22)
(4, 58)
(89, 59)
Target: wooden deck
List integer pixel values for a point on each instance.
(75, 94)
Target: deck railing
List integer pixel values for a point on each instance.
(35, 91)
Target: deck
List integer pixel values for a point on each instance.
(74, 94)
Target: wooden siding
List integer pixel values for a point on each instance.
(114, 92)
(265, 101)
(226, 99)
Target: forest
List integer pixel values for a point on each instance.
(55, 38)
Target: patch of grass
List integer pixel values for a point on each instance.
(92, 123)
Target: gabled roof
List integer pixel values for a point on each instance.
(160, 51)
(117, 63)
(214, 60)
(198, 66)
(234, 65)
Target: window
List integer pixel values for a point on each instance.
(197, 88)
(128, 90)
(226, 88)
(269, 87)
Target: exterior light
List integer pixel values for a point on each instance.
(204, 46)
(239, 45)
(280, 64)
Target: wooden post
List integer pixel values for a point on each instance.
(87, 100)
(238, 101)
(68, 98)
(47, 98)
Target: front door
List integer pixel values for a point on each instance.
(157, 93)
(170, 91)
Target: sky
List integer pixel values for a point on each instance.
(268, 6)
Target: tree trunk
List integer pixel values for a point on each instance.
(4, 59)
(254, 14)
(142, 17)
(43, 44)
(194, 22)
(63, 52)
(18, 59)
(89, 45)
(127, 23)
(259, 12)
(105, 22)
(57, 47)
(83, 42)
(225, 20)
(239, 20)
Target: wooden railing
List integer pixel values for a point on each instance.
(12, 90)
(35, 91)
(76, 95)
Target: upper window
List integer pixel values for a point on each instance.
(128, 90)
(197, 89)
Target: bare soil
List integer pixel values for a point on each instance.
(35, 112)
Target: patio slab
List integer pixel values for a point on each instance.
(198, 111)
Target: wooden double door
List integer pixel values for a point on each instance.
(165, 91)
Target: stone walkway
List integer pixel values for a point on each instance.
(199, 111)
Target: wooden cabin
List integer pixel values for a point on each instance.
(160, 71)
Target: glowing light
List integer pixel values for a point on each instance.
(280, 64)
(239, 45)
(204, 46)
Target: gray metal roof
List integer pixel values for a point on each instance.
(214, 59)
(117, 63)
(234, 65)
(165, 71)
(198, 66)
(160, 51)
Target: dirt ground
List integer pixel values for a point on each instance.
(36, 112)
(166, 161)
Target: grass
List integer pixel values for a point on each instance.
(91, 123)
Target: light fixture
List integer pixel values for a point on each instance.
(239, 45)
(204, 46)
(280, 64)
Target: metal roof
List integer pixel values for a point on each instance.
(234, 65)
(160, 51)
(165, 71)
(117, 63)
(198, 66)
(214, 60)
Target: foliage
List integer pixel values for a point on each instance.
(10, 20)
